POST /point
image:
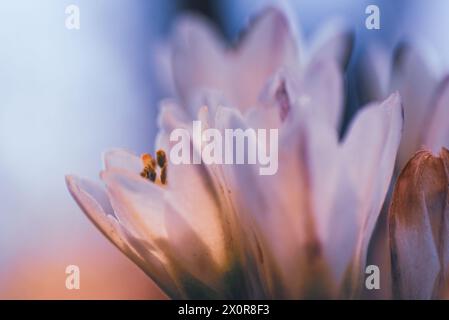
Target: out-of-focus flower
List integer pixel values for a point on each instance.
(418, 227)
(201, 60)
(224, 231)
(424, 91)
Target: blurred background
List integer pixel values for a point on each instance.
(67, 95)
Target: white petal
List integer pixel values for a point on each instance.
(208, 98)
(278, 221)
(370, 151)
(156, 214)
(416, 81)
(93, 199)
(248, 238)
(333, 41)
(198, 58)
(267, 46)
(437, 134)
(191, 191)
(264, 118)
(333, 199)
(172, 116)
(151, 261)
(192, 255)
(122, 159)
(139, 204)
(328, 197)
(323, 86)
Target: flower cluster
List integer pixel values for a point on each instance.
(226, 232)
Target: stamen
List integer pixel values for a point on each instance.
(152, 176)
(161, 158)
(148, 160)
(150, 166)
(164, 175)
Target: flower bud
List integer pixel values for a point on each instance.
(418, 220)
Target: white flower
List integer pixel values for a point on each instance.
(224, 231)
(268, 52)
